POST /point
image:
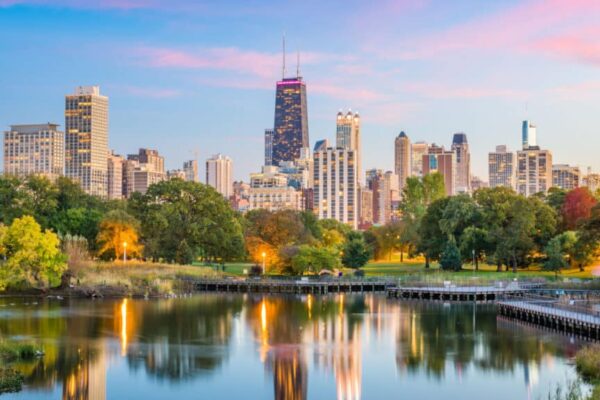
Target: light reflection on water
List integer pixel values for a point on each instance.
(276, 347)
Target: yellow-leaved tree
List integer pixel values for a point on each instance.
(33, 257)
(119, 234)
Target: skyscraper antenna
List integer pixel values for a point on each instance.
(298, 65)
(283, 68)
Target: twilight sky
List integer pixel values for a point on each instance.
(186, 76)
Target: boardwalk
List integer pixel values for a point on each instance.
(563, 318)
(299, 286)
(461, 293)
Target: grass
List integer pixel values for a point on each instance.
(587, 361)
(13, 351)
(11, 380)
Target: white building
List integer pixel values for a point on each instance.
(534, 171)
(219, 174)
(502, 168)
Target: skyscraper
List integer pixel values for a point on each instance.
(34, 150)
(348, 136)
(86, 139)
(418, 150)
(335, 184)
(219, 174)
(501, 168)
(529, 135)
(402, 159)
(534, 171)
(291, 120)
(269, 146)
(460, 147)
(142, 170)
(190, 170)
(115, 176)
(444, 162)
(381, 196)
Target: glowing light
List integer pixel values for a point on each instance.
(124, 327)
(309, 305)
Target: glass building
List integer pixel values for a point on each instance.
(291, 120)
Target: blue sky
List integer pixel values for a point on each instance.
(186, 76)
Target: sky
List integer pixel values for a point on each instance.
(195, 78)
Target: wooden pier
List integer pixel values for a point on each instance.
(292, 286)
(462, 293)
(566, 319)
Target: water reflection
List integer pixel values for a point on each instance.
(308, 347)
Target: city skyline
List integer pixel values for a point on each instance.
(177, 76)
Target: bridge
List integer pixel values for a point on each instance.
(451, 293)
(293, 286)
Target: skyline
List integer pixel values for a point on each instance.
(168, 80)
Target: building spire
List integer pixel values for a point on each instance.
(283, 67)
(298, 64)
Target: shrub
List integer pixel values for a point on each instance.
(11, 380)
(587, 361)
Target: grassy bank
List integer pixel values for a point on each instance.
(11, 380)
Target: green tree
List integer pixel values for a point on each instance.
(450, 259)
(33, 256)
(315, 259)
(356, 253)
(474, 244)
(560, 251)
(588, 241)
(433, 239)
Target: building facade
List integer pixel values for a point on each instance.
(335, 191)
(418, 150)
(502, 168)
(444, 162)
(460, 147)
(190, 170)
(269, 133)
(402, 159)
(528, 135)
(291, 120)
(365, 205)
(115, 167)
(348, 136)
(273, 190)
(592, 181)
(37, 149)
(86, 139)
(534, 171)
(565, 176)
(142, 170)
(381, 196)
(219, 174)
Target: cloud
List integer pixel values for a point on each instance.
(577, 91)
(87, 4)
(149, 92)
(443, 91)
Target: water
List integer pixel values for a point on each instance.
(222, 346)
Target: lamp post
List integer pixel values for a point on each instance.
(473, 260)
(124, 252)
(264, 255)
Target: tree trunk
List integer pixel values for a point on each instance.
(476, 263)
(427, 262)
(514, 264)
(581, 269)
(498, 266)
(401, 256)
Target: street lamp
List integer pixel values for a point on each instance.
(124, 252)
(264, 255)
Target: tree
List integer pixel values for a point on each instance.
(432, 239)
(356, 253)
(310, 258)
(577, 207)
(119, 234)
(450, 259)
(33, 256)
(560, 251)
(474, 242)
(588, 241)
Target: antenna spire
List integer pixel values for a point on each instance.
(283, 68)
(298, 64)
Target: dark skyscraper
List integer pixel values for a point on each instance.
(291, 120)
(268, 146)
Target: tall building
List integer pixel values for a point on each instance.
(477, 183)
(502, 168)
(444, 162)
(348, 136)
(291, 120)
(534, 171)
(460, 147)
(190, 170)
(528, 135)
(219, 174)
(115, 168)
(176, 174)
(272, 190)
(269, 133)
(34, 150)
(402, 159)
(381, 196)
(365, 205)
(418, 150)
(86, 139)
(335, 184)
(565, 176)
(592, 181)
(142, 170)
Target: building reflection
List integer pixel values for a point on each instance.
(87, 380)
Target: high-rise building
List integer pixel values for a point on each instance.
(381, 196)
(444, 162)
(176, 174)
(269, 133)
(528, 135)
(219, 174)
(478, 183)
(418, 150)
(565, 176)
(34, 150)
(402, 159)
(271, 189)
(592, 181)
(115, 167)
(142, 170)
(86, 139)
(190, 170)
(291, 120)
(502, 168)
(365, 200)
(335, 184)
(534, 171)
(460, 147)
(348, 136)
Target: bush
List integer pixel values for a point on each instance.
(17, 351)
(450, 259)
(11, 380)
(587, 361)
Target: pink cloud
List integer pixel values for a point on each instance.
(149, 92)
(345, 92)
(577, 91)
(441, 91)
(87, 4)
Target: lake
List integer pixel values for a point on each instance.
(246, 346)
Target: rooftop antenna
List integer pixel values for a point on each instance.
(298, 65)
(283, 69)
